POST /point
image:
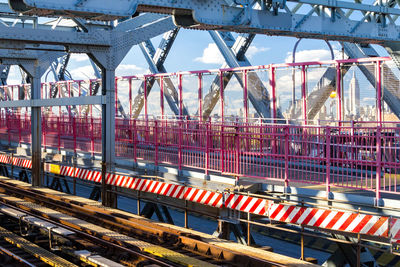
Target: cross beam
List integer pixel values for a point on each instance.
(264, 17)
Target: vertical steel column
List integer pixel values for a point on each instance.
(379, 92)
(43, 123)
(116, 96)
(108, 135)
(273, 90)
(303, 93)
(221, 95)
(162, 96)
(180, 96)
(339, 93)
(36, 129)
(200, 96)
(245, 96)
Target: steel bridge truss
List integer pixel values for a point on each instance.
(106, 40)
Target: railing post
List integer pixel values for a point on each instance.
(44, 133)
(130, 97)
(8, 126)
(237, 144)
(378, 166)
(339, 92)
(221, 94)
(207, 147)
(180, 145)
(59, 134)
(134, 141)
(20, 129)
(222, 148)
(272, 82)
(287, 132)
(145, 97)
(200, 97)
(328, 162)
(74, 133)
(79, 94)
(156, 142)
(304, 93)
(379, 92)
(180, 96)
(92, 136)
(162, 96)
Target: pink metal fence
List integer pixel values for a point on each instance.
(362, 155)
(357, 156)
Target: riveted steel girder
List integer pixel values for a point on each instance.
(272, 17)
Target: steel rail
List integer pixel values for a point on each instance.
(15, 257)
(94, 237)
(91, 237)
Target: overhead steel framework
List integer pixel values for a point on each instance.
(297, 18)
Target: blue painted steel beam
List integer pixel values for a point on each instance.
(274, 18)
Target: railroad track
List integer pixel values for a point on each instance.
(11, 255)
(186, 245)
(72, 248)
(111, 241)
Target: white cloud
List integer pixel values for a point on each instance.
(129, 69)
(253, 50)
(79, 57)
(211, 55)
(311, 55)
(83, 73)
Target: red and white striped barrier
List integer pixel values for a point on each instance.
(201, 196)
(5, 159)
(379, 226)
(335, 220)
(24, 163)
(246, 203)
(395, 231)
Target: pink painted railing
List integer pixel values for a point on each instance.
(358, 156)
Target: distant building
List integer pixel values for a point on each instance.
(354, 96)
